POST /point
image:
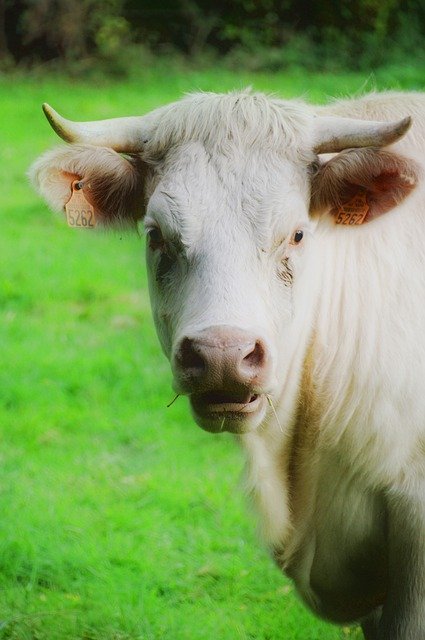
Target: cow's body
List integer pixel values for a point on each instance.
(338, 476)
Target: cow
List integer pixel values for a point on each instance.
(286, 261)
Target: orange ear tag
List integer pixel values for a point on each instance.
(354, 211)
(79, 211)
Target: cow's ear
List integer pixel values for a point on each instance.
(112, 184)
(358, 185)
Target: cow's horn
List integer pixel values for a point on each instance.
(335, 134)
(122, 134)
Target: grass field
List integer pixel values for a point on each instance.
(120, 519)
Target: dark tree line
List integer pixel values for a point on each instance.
(44, 30)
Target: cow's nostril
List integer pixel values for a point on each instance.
(256, 357)
(188, 357)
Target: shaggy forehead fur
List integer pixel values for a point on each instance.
(238, 158)
(250, 194)
(226, 122)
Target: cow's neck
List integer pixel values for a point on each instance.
(348, 382)
(316, 389)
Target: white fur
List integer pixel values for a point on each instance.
(359, 298)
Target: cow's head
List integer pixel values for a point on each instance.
(229, 188)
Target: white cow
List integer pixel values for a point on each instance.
(278, 284)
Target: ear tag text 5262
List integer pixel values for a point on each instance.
(79, 211)
(354, 211)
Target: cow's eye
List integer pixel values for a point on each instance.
(156, 239)
(297, 236)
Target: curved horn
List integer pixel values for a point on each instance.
(335, 134)
(125, 135)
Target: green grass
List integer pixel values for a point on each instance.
(120, 519)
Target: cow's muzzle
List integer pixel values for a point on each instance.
(226, 373)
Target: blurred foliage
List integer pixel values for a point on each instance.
(258, 34)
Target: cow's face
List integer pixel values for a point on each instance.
(230, 190)
(227, 239)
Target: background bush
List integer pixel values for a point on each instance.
(258, 34)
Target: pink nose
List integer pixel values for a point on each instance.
(222, 357)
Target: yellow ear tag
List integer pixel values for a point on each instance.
(354, 211)
(79, 211)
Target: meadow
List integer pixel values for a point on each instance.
(120, 519)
